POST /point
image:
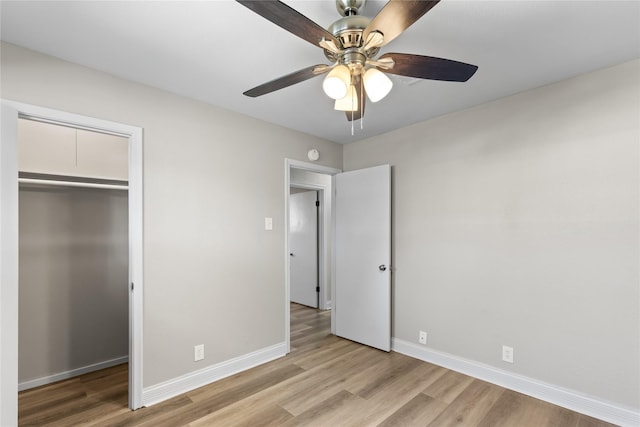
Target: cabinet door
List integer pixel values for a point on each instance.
(46, 148)
(102, 156)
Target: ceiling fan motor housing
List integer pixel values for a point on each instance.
(348, 31)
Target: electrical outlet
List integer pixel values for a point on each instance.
(507, 354)
(198, 352)
(422, 338)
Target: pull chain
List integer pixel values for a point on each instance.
(361, 102)
(351, 122)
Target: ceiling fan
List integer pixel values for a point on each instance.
(351, 44)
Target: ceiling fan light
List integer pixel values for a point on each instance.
(349, 102)
(377, 84)
(337, 82)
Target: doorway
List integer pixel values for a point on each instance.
(309, 176)
(11, 112)
(358, 261)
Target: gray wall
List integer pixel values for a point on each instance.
(73, 266)
(516, 222)
(211, 176)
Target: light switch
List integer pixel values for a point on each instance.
(268, 223)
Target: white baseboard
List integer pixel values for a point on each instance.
(569, 399)
(168, 389)
(72, 373)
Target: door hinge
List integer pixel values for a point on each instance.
(317, 288)
(317, 203)
(132, 286)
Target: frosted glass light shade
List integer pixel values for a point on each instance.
(349, 102)
(377, 84)
(337, 82)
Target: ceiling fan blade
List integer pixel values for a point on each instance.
(396, 16)
(362, 100)
(429, 67)
(288, 80)
(290, 19)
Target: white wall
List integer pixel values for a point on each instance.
(210, 178)
(516, 222)
(303, 178)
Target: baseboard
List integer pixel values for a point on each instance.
(72, 373)
(168, 389)
(569, 399)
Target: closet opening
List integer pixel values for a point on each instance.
(73, 253)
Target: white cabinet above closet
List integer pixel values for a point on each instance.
(102, 156)
(46, 148)
(59, 150)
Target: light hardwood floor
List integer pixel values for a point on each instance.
(324, 381)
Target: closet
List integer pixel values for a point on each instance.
(73, 251)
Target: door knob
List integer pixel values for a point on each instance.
(382, 267)
(290, 254)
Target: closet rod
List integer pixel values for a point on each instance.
(72, 184)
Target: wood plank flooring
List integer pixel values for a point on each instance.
(324, 381)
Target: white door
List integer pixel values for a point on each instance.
(303, 248)
(362, 302)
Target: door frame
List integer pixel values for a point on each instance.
(325, 252)
(11, 111)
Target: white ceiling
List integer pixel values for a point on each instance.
(215, 50)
